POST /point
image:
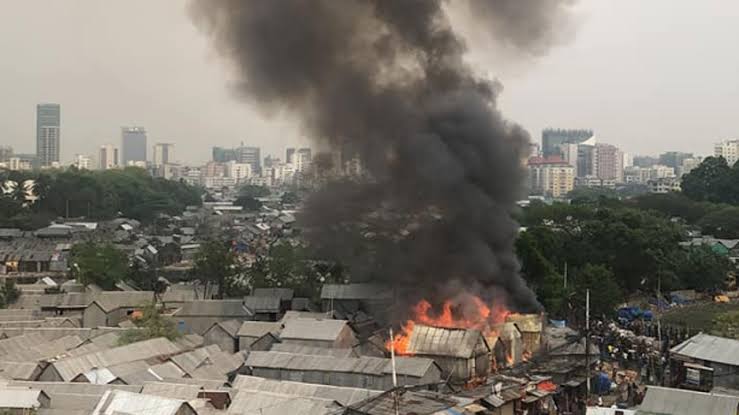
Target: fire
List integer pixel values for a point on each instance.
(466, 312)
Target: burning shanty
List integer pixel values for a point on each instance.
(470, 337)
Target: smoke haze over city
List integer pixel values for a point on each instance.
(158, 72)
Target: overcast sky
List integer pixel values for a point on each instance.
(647, 75)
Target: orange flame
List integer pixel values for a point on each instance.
(467, 312)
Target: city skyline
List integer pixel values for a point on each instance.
(180, 97)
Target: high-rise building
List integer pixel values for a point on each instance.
(644, 161)
(289, 153)
(238, 171)
(551, 176)
(688, 165)
(223, 155)
(673, 159)
(610, 165)
(552, 138)
(82, 162)
(163, 154)
(728, 149)
(250, 155)
(302, 159)
(569, 153)
(133, 146)
(108, 157)
(6, 152)
(48, 122)
(587, 158)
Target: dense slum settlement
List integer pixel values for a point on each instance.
(68, 348)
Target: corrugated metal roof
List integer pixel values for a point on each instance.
(283, 294)
(20, 370)
(436, 341)
(20, 398)
(265, 403)
(111, 300)
(355, 292)
(308, 350)
(343, 395)
(263, 304)
(710, 348)
(229, 326)
(214, 308)
(411, 402)
(668, 401)
(258, 328)
(190, 341)
(411, 366)
(122, 402)
(69, 368)
(192, 360)
(313, 329)
(79, 388)
(171, 390)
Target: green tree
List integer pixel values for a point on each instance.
(101, 264)
(708, 181)
(249, 203)
(702, 269)
(721, 223)
(216, 263)
(151, 325)
(254, 191)
(9, 293)
(289, 198)
(605, 293)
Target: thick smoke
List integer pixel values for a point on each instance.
(385, 80)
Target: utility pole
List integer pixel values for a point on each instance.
(565, 274)
(395, 375)
(587, 343)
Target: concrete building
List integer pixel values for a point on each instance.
(6, 152)
(302, 160)
(569, 153)
(664, 185)
(223, 155)
(551, 139)
(237, 171)
(163, 154)
(688, 165)
(674, 159)
(133, 145)
(551, 176)
(728, 149)
(48, 136)
(252, 156)
(82, 162)
(587, 158)
(610, 162)
(18, 164)
(108, 157)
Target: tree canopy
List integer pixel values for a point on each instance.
(101, 264)
(216, 263)
(95, 195)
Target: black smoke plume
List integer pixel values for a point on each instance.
(385, 81)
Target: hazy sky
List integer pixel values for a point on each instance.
(647, 75)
